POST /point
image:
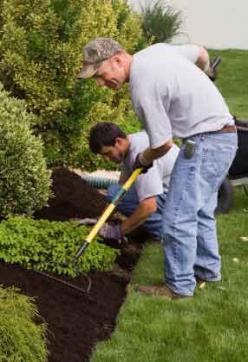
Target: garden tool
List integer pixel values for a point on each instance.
(212, 73)
(86, 222)
(93, 233)
(60, 281)
(107, 212)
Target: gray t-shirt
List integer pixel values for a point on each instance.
(157, 179)
(172, 96)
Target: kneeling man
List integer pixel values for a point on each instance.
(144, 201)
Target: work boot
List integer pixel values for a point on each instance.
(159, 290)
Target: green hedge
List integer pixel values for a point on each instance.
(51, 246)
(40, 56)
(20, 338)
(24, 178)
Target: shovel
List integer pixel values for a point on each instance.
(107, 212)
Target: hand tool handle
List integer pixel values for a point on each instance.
(108, 211)
(216, 62)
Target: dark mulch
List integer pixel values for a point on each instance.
(73, 198)
(76, 321)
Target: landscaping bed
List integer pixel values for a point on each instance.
(76, 320)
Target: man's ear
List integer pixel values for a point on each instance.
(118, 141)
(117, 58)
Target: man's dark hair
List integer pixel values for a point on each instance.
(104, 134)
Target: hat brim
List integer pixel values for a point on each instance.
(87, 71)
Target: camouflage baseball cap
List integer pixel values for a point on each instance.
(95, 52)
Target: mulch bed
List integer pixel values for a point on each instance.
(76, 321)
(73, 198)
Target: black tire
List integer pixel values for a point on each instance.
(225, 197)
(239, 167)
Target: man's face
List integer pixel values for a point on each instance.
(111, 73)
(113, 153)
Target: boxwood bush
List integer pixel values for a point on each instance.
(51, 246)
(20, 338)
(24, 178)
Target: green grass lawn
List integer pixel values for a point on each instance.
(232, 80)
(212, 326)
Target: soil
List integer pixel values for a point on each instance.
(76, 320)
(73, 198)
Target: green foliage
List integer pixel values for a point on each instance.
(116, 106)
(40, 56)
(24, 178)
(129, 26)
(51, 246)
(20, 338)
(40, 48)
(160, 22)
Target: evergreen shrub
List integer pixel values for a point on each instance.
(21, 339)
(24, 178)
(40, 57)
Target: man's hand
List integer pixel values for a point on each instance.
(113, 232)
(140, 162)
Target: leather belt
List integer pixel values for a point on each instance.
(227, 129)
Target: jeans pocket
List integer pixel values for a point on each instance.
(216, 161)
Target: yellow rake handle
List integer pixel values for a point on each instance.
(108, 211)
(110, 208)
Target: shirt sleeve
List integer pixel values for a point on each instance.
(149, 184)
(188, 51)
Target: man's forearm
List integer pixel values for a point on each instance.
(151, 154)
(203, 59)
(203, 62)
(139, 216)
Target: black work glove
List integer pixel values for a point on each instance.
(113, 232)
(140, 163)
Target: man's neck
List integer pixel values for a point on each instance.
(127, 147)
(129, 60)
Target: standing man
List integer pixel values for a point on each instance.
(144, 202)
(173, 97)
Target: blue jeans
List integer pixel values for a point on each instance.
(189, 228)
(129, 203)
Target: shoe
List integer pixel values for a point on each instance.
(159, 290)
